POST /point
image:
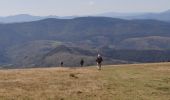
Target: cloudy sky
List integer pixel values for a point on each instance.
(79, 7)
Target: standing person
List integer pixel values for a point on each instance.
(99, 61)
(61, 63)
(82, 62)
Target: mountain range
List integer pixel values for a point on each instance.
(28, 18)
(162, 16)
(45, 43)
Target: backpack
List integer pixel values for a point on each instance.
(99, 59)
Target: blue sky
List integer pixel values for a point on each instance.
(79, 7)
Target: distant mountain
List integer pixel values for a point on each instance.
(20, 18)
(89, 30)
(163, 16)
(47, 42)
(28, 18)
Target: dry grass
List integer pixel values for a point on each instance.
(118, 82)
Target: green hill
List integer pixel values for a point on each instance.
(114, 82)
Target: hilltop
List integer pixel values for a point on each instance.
(118, 82)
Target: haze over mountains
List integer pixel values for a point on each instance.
(28, 18)
(162, 16)
(47, 42)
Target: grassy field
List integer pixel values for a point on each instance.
(117, 82)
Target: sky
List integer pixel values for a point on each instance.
(79, 7)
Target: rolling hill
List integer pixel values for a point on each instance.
(89, 30)
(29, 44)
(121, 82)
(51, 53)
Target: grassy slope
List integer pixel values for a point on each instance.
(118, 82)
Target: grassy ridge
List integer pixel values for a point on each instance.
(118, 82)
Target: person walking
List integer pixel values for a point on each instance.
(82, 62)
(61, 64)
(99, 61)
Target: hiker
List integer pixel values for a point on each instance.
(99, 61)
(82, 62)
(61, 64)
